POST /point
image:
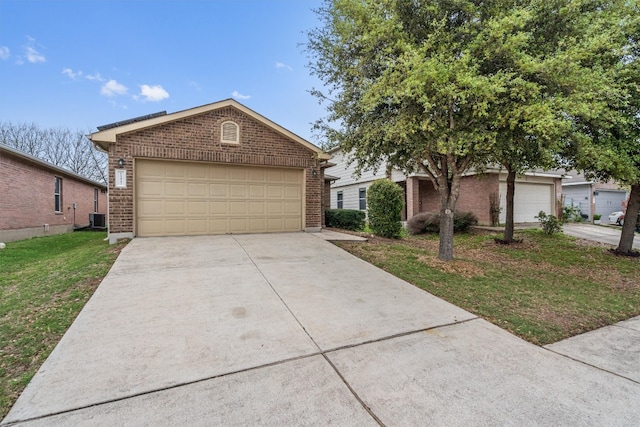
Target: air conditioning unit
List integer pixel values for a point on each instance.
(96, 220)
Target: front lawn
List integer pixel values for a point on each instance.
(544, 289)
(44, 283)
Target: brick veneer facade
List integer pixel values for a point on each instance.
(197, 138)
(27, 198)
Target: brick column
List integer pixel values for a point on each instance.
(413, 197)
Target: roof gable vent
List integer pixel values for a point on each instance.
(230, 133)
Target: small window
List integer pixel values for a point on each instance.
(57, 194)
(95, 200)
(230, 133)
(340, 199)
(362, 196)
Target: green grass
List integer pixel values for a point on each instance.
(44, 283)
(544, 289)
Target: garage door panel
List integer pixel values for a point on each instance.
(151, 208)
(151, 188)
(175, 226)
(529, 200)
(174, 189)
(197, 207)
(238, 225)
(197, 226)
(197, 189)
(238, 190)
(238, 207)
(175, 207)
(291, 192)
(194, 198)
(218, 190)
(219, 208)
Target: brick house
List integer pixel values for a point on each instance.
(535, 191)
(215, 169)
(38, 198)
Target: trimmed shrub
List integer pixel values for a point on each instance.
(384, 202)
(347, 219)
(429, 222)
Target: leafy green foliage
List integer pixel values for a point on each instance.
(571, 214)
(385, 200)
(550, 224)
(347, 219)
(429, 222)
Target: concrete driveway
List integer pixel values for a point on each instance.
(598, 233)
(290, 330)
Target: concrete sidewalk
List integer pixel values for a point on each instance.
(288, 329)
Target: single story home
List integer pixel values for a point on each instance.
(593, 197)
(535, 191)
(215, 169)
(38, 198)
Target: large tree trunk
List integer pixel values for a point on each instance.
(630, 220)
(511, 190)
(449, 191)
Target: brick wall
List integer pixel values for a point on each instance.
(474, 196)
(197, 138)
(27, 196)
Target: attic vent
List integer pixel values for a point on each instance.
(230, 133)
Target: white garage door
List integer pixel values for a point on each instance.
(609, 201)
(529, 199)
(176, 198)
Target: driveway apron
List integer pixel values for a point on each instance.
(288, 329)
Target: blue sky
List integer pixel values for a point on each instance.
(80, 64)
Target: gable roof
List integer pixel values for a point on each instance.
(108, 134)
(57, 169)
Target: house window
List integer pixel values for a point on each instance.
(362, 196)
(57, 194)
(340, 199)
(230, 133)
(95, 199)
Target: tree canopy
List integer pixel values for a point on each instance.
(438, 87)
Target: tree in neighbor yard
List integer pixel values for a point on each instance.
(405, 84)
(438, 87)
(545, 48)
(611, 148)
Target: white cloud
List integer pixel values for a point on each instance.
(4, 52)
(113, 88)
(34, 56)
(72, 75)
(238, 95)
(94, 77)
(153, 93)
(283, 66)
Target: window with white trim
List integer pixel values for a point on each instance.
(96, 195)
(340, 199)
(57, 194)
(362, 197)
(230, 133)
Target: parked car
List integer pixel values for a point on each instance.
(614, 218)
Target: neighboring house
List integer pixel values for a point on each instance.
(38, 198)
(535, 191)
(215, 169)
(593, 197)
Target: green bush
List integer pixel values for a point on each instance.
(384, 202)
(347, 219)
(550, 224)
(571, 214)
(429, 222)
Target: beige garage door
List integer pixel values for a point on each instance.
(175, 199)
(529, 199)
